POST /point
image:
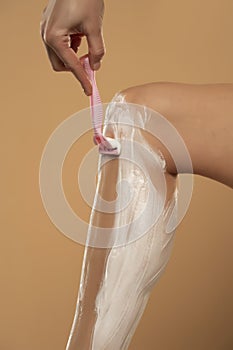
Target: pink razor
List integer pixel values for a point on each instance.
(107, 145)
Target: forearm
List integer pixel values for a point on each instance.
(203, 115)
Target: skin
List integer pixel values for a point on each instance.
(203, 116)
(95, 261)
(63, 25)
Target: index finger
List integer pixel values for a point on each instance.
(71, 61)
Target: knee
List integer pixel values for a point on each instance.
(153, 95)
(159, 97)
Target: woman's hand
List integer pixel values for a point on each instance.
(63, 24)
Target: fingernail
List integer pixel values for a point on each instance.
(96, 66)
(88, 93)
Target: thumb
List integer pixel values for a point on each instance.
(96, 49)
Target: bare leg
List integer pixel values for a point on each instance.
(116, 282)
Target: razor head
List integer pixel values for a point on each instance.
(109, 146)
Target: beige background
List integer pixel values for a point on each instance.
(155, 40)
